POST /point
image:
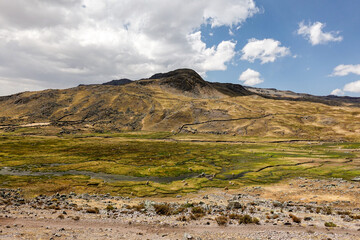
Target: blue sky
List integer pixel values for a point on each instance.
(310, 71)
(303, 46)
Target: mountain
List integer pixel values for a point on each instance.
(181, 101)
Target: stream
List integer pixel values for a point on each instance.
(104, 176)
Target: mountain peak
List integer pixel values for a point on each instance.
(177, 73)
(190, 83)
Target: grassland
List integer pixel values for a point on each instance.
(147, 164)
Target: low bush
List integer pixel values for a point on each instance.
(330, 224)
(179, 210)
(163, 209)
(182, 218)
(247, 219)
(139, 207)
(188, 205)
(109, 208)
(93, 210)
(198, 210)
(221, 220)
(343, 212)
(295, 218)
(327, 210)
(234, 216)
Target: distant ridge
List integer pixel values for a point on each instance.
(119, 82)
(273, 93)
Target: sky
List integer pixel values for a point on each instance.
(304, 46)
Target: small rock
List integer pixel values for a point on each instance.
(356, 179)
(234, 205)
(187, 236)
(347, 219)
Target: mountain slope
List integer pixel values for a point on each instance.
(178, 101)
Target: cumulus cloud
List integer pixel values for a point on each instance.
(213, 58)
(250, 77)
(315, 35)
(353, 87)
(66, 42)
(343, 70)
(337, 92)
(266, 50)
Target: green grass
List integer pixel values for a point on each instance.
(154, 156)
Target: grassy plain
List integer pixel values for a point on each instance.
(147, 164)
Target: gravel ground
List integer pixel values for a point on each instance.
(194, 216)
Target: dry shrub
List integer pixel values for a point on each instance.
(327, 210)
(93, 210)
(182, 218)
(295, 218)
(163, 209)
(139, 207)
(197, 213)
(109, 208)
(330, 224)
(198, 210)
(247, 219)
(180, 210)
(78, 209)
(343, 212)
(195, 216)
(234, 216)
(221, 220)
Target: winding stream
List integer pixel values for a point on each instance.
(104, 176)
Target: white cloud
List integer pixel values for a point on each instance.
(314, 34)
(343, 70)
(229, 12)
(213, 58)
(250, 77)
(66, 42)
(337, 92)
(266, 50)
(353, 87)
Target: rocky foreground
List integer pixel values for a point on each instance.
(292, 210)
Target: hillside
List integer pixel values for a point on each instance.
(181, 101)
